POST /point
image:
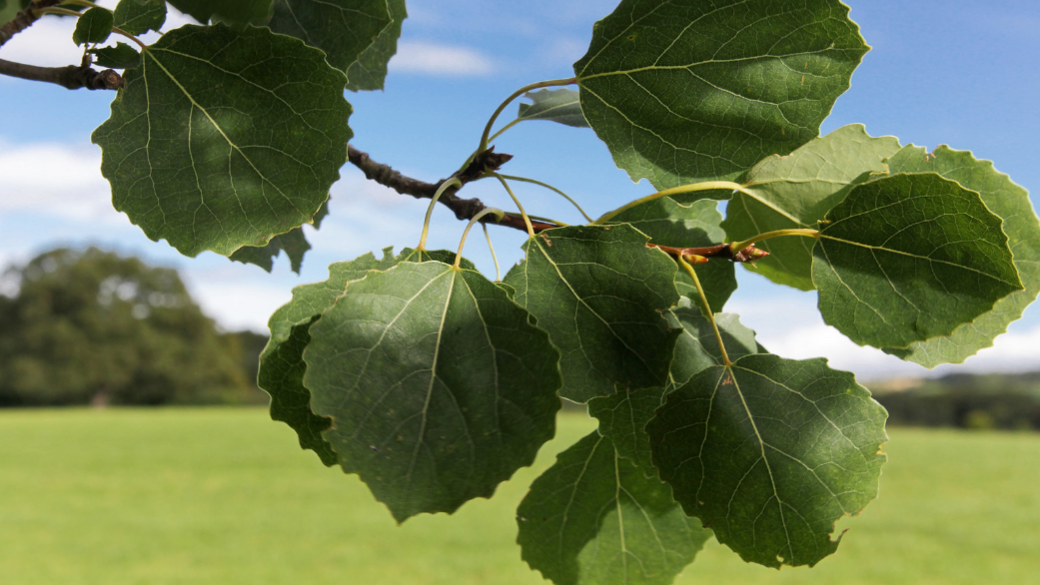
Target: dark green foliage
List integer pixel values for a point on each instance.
(600, 293)
(95, 327)
(438, 384)
(697, 91)
(140, 16)
(897, 248)
(770, 453)
(93, 27)
(294, 244)
(235, 153)
(435, 385)
(595, 518)
(121, 56)
(343, 29)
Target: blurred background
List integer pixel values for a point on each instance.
(93, 313)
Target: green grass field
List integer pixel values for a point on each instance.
(225, 496)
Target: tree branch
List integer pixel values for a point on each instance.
(24, 19)
(69, 77)
(464, 209)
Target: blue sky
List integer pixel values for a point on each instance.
(957, 72)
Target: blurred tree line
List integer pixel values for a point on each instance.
(967, 401)
(86, 326)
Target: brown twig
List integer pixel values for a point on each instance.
(70, 76)
(24, 19)
(748, 254)
(465, 209)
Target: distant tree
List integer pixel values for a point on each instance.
(90, 326)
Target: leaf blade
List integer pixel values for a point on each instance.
(93, 27)
(769, 453)
(556, 105)
(595, 518)
(140, 16)
(616, 288)
(899, 246)
(796, 191)
(1011, 203)
(281, 363)
(207, 169)
(343, 29)
(368, 72)
(678, 90)
(464, 385)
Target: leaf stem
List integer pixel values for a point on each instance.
(503, 129)
(120, 31)
(498, 213)
(487, 236)
(551, 188)
(62, 11)
(67, 12)
(707, 307)
(548, 220)
(453, 182)
(527, 219)
(691, 188)
(484, 138)
(86, 3)
(807, 233)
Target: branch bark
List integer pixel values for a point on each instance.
(69, 77)
(464, 209)
(24, 19)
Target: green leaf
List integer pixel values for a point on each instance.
(556, 105)
(623, 415)
(293, 243)
(595, 518)
(440, 386)
(600, 293)
(770, 453)
(93, 27)
(343, 29)
(368, 72)
(8, 11)
(697, 348)
(685, 225)
(140, 16)
(1011, 203)
(692, 91)
(909, 257)
(121, 56)
(796, 191)
(281, 363)
(622, 420)
(214, 145)
(231, 11)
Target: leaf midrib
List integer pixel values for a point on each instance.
(221, 131)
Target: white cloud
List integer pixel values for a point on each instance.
(793, 328)
(58, 179)
(439, 60)
(48, 42)
(237, 298)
